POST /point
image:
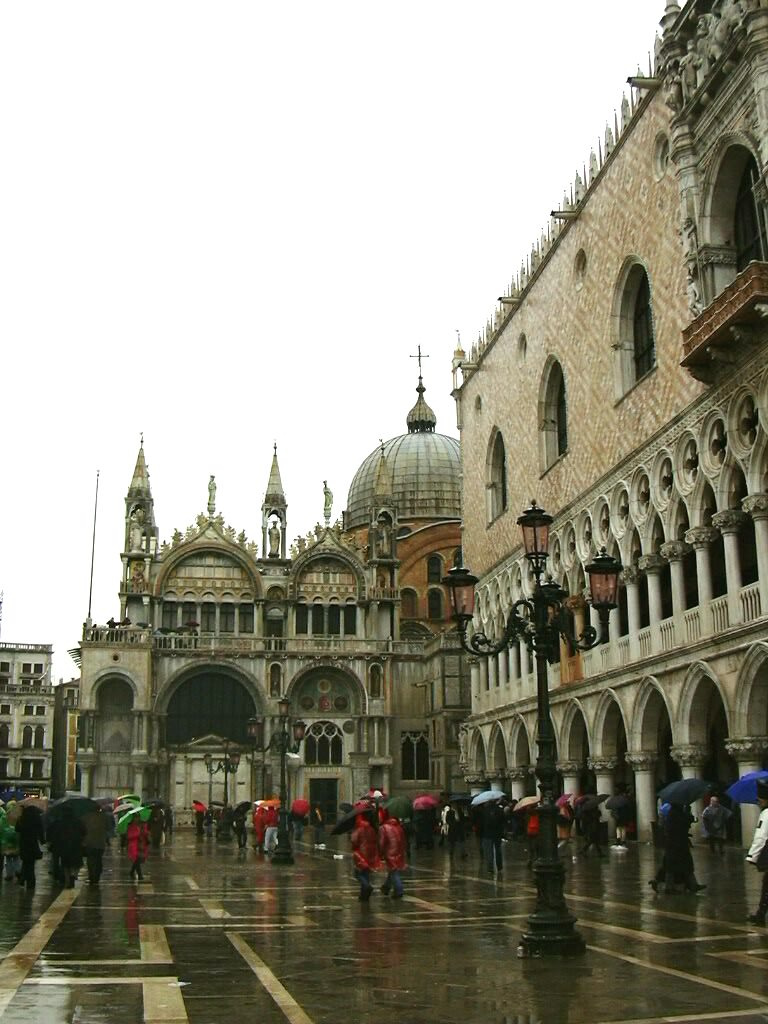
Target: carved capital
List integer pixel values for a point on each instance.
(729, 521)
(689, 755)
(521, 773)
(575, 603)
(756, 505)
(630, 574)
(641, 760)
(651, 563)
(747, 748)
(603, 765)
(675, 550)
(569, 767)
(476, 780)
(701, 536)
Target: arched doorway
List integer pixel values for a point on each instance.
(114, 737)
(209, 703)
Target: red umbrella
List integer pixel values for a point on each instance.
(198, 805)
(425, 802)
(300, 807)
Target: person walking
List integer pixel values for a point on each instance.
(94, 843)
(259, 819)
(758, 852)
(590, 820)
(65, 838)
(455, 833)
(391, 839)
(714, 822)
(318, 825)
(138, 846)
(9, 846)
(677, 866)
(493, 832)
(29, 827)
(532, 834)
(271, 821)
(365, 853)
(238, 825)
(157, 827)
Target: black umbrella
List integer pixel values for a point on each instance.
(591, 801)
(344, 808)
(77, 805)
(347, 823)
(243, 807)
(684, 791)
(617, 802)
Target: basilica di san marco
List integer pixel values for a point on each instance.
(350, 625)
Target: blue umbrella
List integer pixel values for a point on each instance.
(744, 791)
(486, 796)
(684, 791)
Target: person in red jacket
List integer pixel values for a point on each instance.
(137, 834)
(365, 852)
(392, 849)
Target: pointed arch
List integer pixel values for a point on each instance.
(750, 712)
(553, 414)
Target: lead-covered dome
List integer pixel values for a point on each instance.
(421, 470)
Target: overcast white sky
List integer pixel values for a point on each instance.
(228, 224)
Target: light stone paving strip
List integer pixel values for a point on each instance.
(21, 959)
(696, 979)
(277, 992)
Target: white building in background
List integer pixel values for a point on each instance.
(26, 717)
(623, 384)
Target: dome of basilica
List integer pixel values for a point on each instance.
(421, 470)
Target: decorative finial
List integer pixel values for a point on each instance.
(419, 357)
(327, 503)
(141, 442)
(212, 495)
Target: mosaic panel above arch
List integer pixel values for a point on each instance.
(328, 693)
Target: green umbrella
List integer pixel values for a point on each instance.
(399, 807)
(142, 813)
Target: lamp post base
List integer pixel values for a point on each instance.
(283, 853)
(548, 936)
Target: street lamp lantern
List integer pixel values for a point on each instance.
(229, 765)
(255, 730)
(535, 524)
(299, 728)
(539, 621)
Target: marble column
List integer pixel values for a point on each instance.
(503, 666)
(701, 538)
(492, 673)
(85, 779)
(757, 506)
(604, 769)
(691, 758)
(631, 575)
(570, 772)
(518, 778)
(474, 675)
(643, 764)
(674, 552)
(729, 523)
(748, 752)
(652, 565)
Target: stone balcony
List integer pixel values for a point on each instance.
(728, 328)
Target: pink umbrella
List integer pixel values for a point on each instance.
(425, 802)
(563, 800)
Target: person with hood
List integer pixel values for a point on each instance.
(94, 843)
(757, 851)
(29, 827)
(65, 838)
(392, 849)
(137, 846)
(365, 853)
(259, 820)
(714, 822)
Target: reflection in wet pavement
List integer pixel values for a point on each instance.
(214, 936)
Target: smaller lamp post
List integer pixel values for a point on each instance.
(229, 765)
(539, 621)
(282, 740)
(255, 729)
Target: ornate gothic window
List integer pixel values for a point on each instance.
(497, 478)
(748, 230)
(635, 344)
(553, 415)
(414, 756)
(324, 744)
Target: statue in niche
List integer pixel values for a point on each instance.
(688, 65)
(383, 537)
(463, 743)
(212, 495)
(274, 539)
(136, 535)
(327, 502)
(137, 578)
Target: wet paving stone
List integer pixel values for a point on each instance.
(213, 936)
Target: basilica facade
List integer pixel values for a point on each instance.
(350, 624)
(623, 384)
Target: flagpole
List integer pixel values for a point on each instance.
(93, 546)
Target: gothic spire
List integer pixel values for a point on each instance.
(421, 419)
(274, 494)
(140, 483)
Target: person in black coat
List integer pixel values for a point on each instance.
(31, 834)
(677, 866)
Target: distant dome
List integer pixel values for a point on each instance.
(421, 470)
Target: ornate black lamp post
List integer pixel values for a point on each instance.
(228, 765)
(539, 621)
(286, 743)
(255, 729)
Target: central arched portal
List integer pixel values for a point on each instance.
(209, 703)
